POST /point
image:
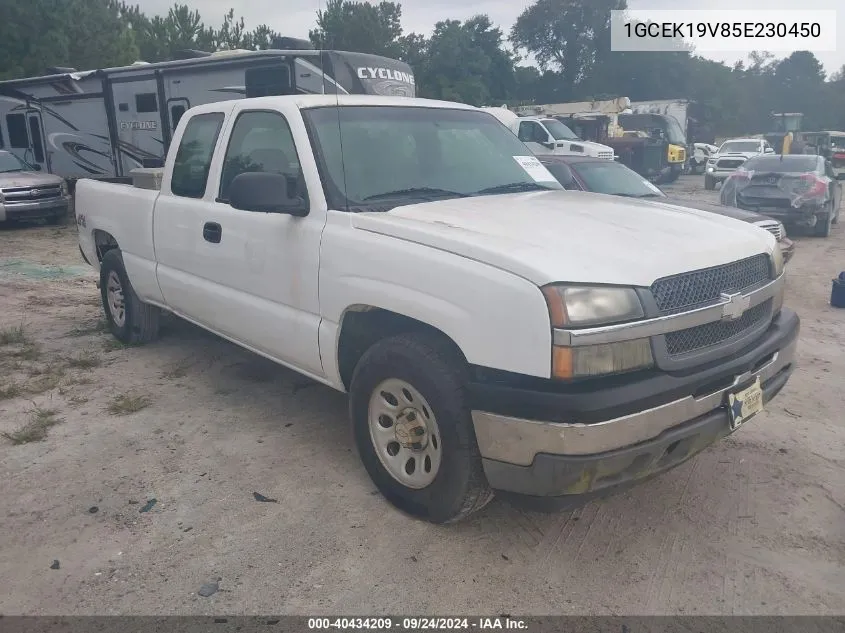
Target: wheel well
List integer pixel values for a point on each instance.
(104, 243)
(364, 326)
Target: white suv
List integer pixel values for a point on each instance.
(731, 155)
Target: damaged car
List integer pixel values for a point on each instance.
(797, 189)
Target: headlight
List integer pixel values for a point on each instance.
(599, 360)
(581, 306)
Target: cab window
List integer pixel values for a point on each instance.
(261, 142)
(193, 158)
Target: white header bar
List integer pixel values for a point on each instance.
(729, 31)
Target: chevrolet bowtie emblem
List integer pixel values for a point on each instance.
(734, 306)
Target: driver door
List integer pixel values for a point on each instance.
(535, 136)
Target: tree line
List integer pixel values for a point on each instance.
(473, 61)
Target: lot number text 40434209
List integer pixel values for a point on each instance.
(418, 624)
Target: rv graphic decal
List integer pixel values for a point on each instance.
(139, 125)
(385, 73)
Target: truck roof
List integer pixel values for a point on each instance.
(326, 100)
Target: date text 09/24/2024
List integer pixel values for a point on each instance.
(417, 624)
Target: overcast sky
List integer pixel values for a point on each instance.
(295, 17)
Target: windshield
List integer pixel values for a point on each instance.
(739, 146)
(387, 156)
(10, 162)
(674, 133)
(615, 179)
(791, 163)
(559, 131)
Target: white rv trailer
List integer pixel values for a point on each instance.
(107, 122)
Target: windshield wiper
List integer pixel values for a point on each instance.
(413, 191)
(513, 187)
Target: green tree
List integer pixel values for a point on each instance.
(360, 26)
(572, 36)
(37, 34)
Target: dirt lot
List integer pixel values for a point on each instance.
(755, 525)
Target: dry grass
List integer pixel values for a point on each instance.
(86, 359)
(14, 336)
(126, 403)
(178, 370)
(36, 428)
(10, 391)
(86, 329)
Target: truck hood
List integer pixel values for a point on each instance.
(573, 236)
(27, 179)
(590, 148)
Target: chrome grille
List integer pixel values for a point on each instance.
(606, 155)
(730, 163)
(701, 287)
(704, 336)
(775, 228)
(28, 194)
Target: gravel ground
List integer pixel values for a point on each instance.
(754, 525)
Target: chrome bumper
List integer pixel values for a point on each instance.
(33, 209)
(517, 441)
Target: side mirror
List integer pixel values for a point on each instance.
(265, 193)
(768, 150)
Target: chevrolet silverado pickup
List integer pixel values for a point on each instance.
(494, 332)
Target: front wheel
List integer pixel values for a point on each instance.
(130, 320)
(414, 430)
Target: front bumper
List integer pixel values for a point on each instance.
(804, 214)
(35, 209)
(787, 248)
(587, 442)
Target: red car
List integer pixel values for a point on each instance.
(606, 176)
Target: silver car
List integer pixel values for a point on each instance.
(27, 194)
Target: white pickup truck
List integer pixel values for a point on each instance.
(493, 331)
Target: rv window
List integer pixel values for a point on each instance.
(190, 168)
(176, 113)
(260, 141)
(268, 81)
(146, 102)
(18, 138)
(123, 107)
(1, 138)
(35, 133)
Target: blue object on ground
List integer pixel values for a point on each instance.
(837, 292)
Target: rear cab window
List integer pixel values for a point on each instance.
(193, 158)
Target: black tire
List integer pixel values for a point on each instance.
(709, 183)
(430, 364)
(141, 320)
(58, 219)
(823, 222)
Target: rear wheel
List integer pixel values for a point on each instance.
(414, 430)
(130, 320)
(823, 222)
